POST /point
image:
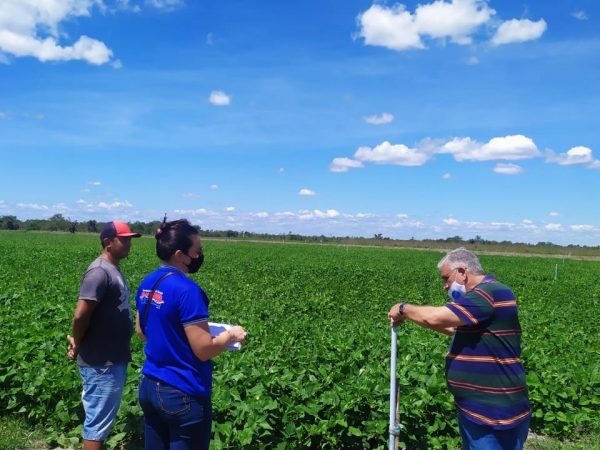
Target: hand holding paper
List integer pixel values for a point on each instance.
(218, 328)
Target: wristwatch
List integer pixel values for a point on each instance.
(401, 307)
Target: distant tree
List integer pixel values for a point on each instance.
(72, 226)
(92, 226)
(33, 225)
(58, 223)
(9, 223)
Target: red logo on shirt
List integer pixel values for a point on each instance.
(157, 297)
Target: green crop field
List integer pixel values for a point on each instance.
(314, 371)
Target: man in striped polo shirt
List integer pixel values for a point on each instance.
(483, 366)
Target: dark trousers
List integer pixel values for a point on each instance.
(174, 420)
(480, 437)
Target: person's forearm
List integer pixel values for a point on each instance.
(217, 345)
(425, 316)
(444, 330)
(138, 329)
(79, 328)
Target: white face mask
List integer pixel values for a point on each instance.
(456, 290)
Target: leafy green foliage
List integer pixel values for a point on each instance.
(314, 371)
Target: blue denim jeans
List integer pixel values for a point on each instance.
(174, 420)
(480, 437)
(101, 397)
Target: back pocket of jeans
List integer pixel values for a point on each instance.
(172, 400)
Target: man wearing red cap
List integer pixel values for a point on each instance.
(102, 329)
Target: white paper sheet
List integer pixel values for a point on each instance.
(218, 328)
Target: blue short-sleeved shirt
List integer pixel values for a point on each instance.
(177, 302)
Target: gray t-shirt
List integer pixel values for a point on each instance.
(107, 338)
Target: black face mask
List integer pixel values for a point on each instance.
(195, 263)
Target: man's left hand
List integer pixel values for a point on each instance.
(71, 348)
(394, 315)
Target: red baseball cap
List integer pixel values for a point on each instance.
(116, 228)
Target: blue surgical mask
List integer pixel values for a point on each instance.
(456, 290)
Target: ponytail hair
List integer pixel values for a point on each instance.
(173, 236)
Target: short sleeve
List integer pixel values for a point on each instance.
(192, 307)
(94, 284)
(472, 308)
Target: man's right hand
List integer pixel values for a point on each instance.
(71, 347)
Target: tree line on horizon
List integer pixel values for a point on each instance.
(58, 222)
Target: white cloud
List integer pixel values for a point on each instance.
(396, 28)
(34, 206)
(554, 214)
(507, 147)
(261, 214)
(382, 119)
(190, 195)
(306, 192)
(343, 164)
(122, 5)
(446, 176)
(554, 227)
(392, 27)
(195, 212)
(584, 228)
(35, 116)
(117, 64)
(472, 60)
(513, 147)
(103, 207)
(167, 5)
(508, 169)
(32, 28)
(579, 155)
(114, 205)
(219, 98)
(451, 221)
(516, 30)
(281, 170)
(214, 187)
(61, 207)
(230, 209)
(528, 225)
(580, 15)
(386, 153)
(456, 20)
(318, 214)
(365, 216)
(94, 183)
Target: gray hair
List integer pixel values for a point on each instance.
(461, 257)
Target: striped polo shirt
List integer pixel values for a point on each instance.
(483, 366)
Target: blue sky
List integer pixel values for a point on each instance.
(345, 117)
